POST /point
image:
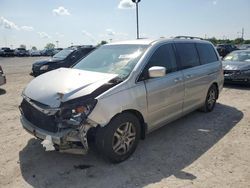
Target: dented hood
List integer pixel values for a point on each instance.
(64, 84)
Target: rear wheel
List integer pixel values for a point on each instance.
(118, 140)
(210, 99)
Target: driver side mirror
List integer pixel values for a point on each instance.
(156, 72)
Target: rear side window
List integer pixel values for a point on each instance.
(188, 55)
(206, 53)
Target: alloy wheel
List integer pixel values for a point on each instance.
(211, 98)
(124, 138)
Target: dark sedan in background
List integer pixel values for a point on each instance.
(50, 52)
(236, 66)
(64, 58)
(21, 52)
(224, 49)
(6, 52)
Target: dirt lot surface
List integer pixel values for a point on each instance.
(199, 150)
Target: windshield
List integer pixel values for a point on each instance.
(113, 59)
(63, 54)
(243, 56)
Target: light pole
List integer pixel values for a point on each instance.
(137, 18)
(242, 33)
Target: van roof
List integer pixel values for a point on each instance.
(151, 41)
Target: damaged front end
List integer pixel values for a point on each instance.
(64, 129)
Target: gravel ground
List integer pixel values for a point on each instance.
(199, 150)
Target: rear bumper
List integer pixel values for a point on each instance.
(8, 54)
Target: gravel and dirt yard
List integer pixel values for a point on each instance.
(199, 150)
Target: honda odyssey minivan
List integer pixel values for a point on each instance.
(119, 93)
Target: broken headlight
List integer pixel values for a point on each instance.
(76, 113)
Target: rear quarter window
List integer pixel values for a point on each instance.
(207, 53)
(188, 55)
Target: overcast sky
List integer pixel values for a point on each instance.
(37, 22)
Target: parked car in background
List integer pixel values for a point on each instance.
(236, 66)
(120, 92)
(2, 77)
(50, 52)
(6, 52)
(64, 58)
(47, 52)
(224, 49)
(35, 53)
(56, 50)
(244, 47)
(21, 52)
(1, 52)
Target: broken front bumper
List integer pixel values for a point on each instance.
(57, 138)
(64, 141)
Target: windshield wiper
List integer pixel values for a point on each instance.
(116, 80)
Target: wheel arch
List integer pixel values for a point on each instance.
(141, 120)
(140, 117)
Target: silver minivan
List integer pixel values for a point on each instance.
(119, 93)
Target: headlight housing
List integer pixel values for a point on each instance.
(44, 67)
(76, 113)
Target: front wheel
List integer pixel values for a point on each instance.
(118, 140)
(210, 99)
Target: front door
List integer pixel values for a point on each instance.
(164, 94)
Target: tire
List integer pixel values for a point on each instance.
(210, 99)
(118, 140)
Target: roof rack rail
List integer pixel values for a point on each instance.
(81, 46)
(188, 37)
